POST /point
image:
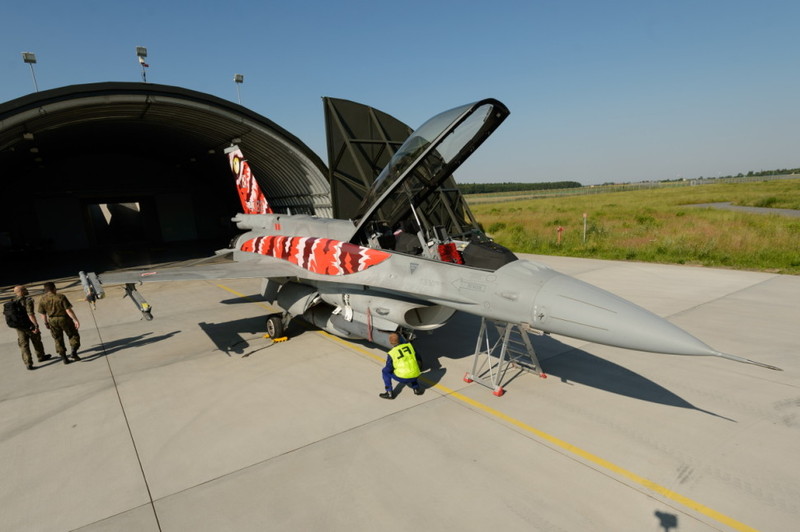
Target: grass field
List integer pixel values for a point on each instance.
(657, 225)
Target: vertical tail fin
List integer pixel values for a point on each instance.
(250, 194)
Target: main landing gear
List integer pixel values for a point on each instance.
(276, 329)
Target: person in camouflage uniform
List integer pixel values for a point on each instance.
(30, 335)
(58, 316)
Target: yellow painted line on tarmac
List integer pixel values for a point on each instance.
(236, 293)
(601, 462)
(561, 444)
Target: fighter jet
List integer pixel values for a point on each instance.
(395, 267)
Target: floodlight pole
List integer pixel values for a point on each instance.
(238, 79)
(141, 53)
(30, 58)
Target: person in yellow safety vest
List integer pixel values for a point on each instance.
(402, 365)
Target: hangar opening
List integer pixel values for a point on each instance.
(124, 173)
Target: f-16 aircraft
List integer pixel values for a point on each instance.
(396, 268)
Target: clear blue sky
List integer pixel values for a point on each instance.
(598, 90)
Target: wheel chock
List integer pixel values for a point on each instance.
(281, 339)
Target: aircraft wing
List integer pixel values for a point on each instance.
(257, 268)
(228, 270)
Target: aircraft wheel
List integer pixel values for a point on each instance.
(275, 327)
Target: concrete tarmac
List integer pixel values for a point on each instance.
(194, 421)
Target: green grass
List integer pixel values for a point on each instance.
(656, 225)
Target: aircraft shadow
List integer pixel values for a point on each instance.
(243, 299)
(245, 337)
(107, 348)
(569, 364)
(432, 370)
(239, 337)
(227, 339)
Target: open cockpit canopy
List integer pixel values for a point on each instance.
(402, 195)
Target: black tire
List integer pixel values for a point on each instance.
(275, 327)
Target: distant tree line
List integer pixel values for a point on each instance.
(484, 188)
(783, 171)
(761, 173)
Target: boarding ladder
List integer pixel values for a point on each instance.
(512, 349)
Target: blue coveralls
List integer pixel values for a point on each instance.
(388, 370)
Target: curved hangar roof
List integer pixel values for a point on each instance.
(172, 137)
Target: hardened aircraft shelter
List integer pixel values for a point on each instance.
(98, 165)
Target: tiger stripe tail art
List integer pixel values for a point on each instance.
(250, 193)
(323, 256)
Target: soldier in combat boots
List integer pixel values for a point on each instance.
(58, 316)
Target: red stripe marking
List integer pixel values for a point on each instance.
(324, 256)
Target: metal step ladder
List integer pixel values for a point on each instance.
(511, 349)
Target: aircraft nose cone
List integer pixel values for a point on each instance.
(568, 306)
